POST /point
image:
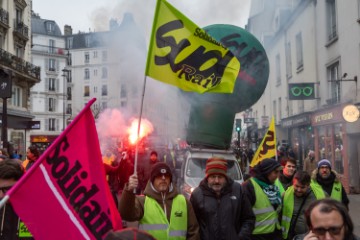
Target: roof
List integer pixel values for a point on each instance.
(39, 26)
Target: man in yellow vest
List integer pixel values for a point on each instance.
(329, 181)
(286, 175)
(296, 200)
(265, 199)
(161, 211)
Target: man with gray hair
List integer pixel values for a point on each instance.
(309, 163)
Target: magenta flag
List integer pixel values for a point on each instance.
(64, 195)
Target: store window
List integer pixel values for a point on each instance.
(339, 149)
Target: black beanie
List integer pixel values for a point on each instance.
(267, 165)
(159, 169)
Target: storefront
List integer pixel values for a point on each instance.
(331, 140)
(42, 142)
(300, 135)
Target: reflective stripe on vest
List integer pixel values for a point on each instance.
(155, 222)
(280, 186)
(266, 216)
(288, 206)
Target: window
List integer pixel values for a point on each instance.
(331, 19)
(288, 60)
(87, 57)
(103, 105)
(16, 98)
(95, 89)
(52, 84)
(104, 72)
(68, 93)
(87, 40)
(69, 42)
(19, 14)
(19, 51)
(123, 104)
(280, 109)
(278, 70)
(299, 52)
(68, 109)
(87, 73)
(51, 66)
(123, 92)
(104, 56)
(95, 54)
(51, 46)
(68, 59)
(104, 91)
(334, 84)
(86, 91)
(51, 104)
(95, 72)
(51, 124)
(50, 27)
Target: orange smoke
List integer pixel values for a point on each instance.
(145, 129)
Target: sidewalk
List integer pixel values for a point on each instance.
(354, 209)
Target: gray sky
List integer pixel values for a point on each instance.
(83, 15)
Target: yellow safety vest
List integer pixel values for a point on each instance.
(266, 215)
(280, 186)
(336, 192)
(288, 207)
(155, 221)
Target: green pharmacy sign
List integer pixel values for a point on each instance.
(301, 91)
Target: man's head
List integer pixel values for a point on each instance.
(311, 154)
(10, 172)
(289, 165)
(161, 177)
(324, 168)
(301, 183)
(270, 168)
(329, 219)
(153, 156)
(32, 153)
(216, 173)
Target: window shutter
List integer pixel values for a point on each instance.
(57, 85)
(47, 105)
(56, 124)
(47, 80)
(46, 64)
(47, 124)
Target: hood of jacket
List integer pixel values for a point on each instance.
(158, 196)
(333, 172)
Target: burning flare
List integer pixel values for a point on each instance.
(145, 129)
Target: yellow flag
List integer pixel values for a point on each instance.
(184, 55)
(267, 147)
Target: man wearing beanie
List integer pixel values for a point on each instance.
(221, 208)
(161, 211)
(265, 199)
(329, 181)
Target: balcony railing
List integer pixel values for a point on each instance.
(4, 16)
(48, 49)
(21, 29)
(19, 64)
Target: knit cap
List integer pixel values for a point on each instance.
(267, 165)
(324, 162)
(216, 165)
(160, 168)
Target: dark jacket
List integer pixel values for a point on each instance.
(9, 223)
(131, 207)
(226, 217)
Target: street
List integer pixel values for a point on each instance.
(354, 209)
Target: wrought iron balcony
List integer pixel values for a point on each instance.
(21, 30)
(48, 49)
(19, 65)
(4, 17)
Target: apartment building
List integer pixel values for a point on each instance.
(48, 97)
(17, 74)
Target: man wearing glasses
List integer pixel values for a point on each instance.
(11, 227)
(328, 219)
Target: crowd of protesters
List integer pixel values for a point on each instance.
(278, 201)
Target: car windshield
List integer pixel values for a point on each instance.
(196, 169)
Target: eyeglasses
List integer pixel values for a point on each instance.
(5, 189)
(332, 230)
(306, 91)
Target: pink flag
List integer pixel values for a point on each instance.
(64, 195)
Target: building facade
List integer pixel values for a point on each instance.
(313, 77)
(48, 98)
(17, 73)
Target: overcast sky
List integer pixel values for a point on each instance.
(94, 15)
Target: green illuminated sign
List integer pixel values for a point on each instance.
(301, 91)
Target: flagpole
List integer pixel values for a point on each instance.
(138, 130)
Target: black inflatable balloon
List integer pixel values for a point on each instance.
(212, 115)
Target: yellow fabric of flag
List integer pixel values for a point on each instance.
(267, 147)
(184, 55)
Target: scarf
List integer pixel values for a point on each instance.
(271, 191)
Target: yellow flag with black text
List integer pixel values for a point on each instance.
(267, 147)
(184, 55)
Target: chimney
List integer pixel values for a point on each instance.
(67, 30)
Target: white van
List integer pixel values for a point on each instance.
(193, 168)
